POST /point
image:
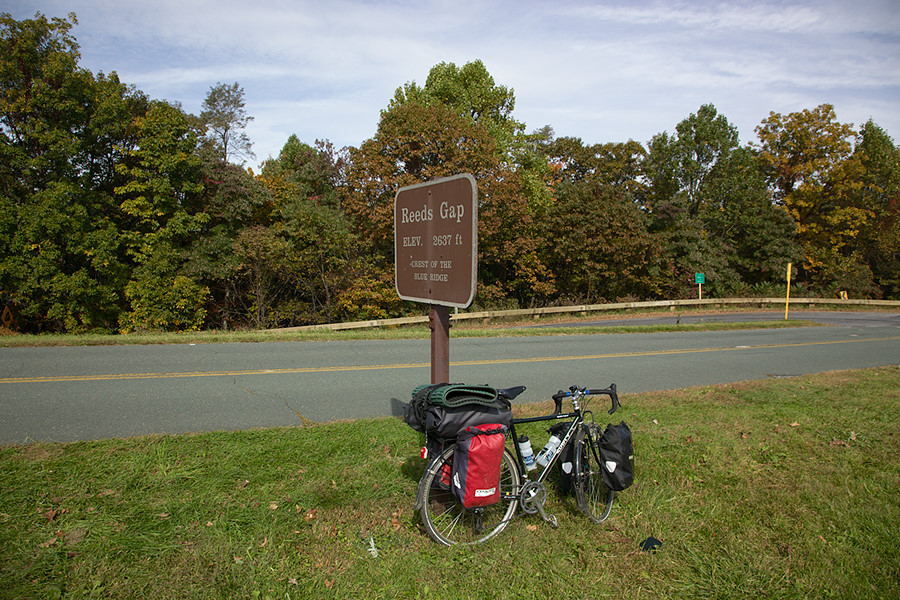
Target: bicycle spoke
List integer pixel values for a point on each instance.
(448, 522)
(594, 499)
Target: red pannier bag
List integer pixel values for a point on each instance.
(476, 464)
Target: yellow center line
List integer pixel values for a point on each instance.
(462, 363)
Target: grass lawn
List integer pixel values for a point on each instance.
(785, 488)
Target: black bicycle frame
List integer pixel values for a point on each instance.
(568, 439)
(578, 414)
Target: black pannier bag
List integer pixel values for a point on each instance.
(566, 462)
(442, 411)
(475, 477)
(617, 457)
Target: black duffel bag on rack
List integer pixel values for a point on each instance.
(443, 410)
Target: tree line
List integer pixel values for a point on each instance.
(119, 212)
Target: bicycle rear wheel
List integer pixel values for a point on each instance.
(594, 499)
(447, 521)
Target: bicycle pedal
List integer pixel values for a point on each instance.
(549, 519)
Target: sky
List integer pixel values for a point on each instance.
(601, 71)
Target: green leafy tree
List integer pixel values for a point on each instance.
(471, 92)
(225, 117)
(616, 164)
(599, 246)
(62, 263)
(682, 162)
(160, 199)
(261, 252)
(311, 172)
(596, 214)
(161, 298)
(233, 200)
(871, 185)
(677, 167)
(45, 98)
(805, 158)
(531, 156)
(320, 258)
(61, 266)
(758, 235)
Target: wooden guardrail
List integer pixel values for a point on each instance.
(536, 313)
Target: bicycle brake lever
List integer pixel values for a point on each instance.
(557, 399)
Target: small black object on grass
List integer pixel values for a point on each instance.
(651, 544)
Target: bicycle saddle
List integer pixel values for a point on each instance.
(511, 393)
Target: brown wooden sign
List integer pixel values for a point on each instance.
(436, 241)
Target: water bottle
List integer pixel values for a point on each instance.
(546, 455)
(527, 453)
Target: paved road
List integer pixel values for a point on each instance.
(65, 394)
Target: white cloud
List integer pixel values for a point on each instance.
(602, 71)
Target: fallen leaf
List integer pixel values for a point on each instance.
(292, 581)
(238, 559)
(329, 583)
(531, 527)
(242, 484)
(273, 505)
(395, 520)
(209, 523)
(795, 424)
(48, 543)
(655, 422)
(264, 543)
(310, 515)
(745, 435)
(853, 436)
(75, 536)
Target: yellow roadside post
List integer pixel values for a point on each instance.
(787, 298)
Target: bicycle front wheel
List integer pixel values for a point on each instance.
(594, 499)
(447, 521)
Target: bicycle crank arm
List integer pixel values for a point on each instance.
(551, 519)
(533, 498)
